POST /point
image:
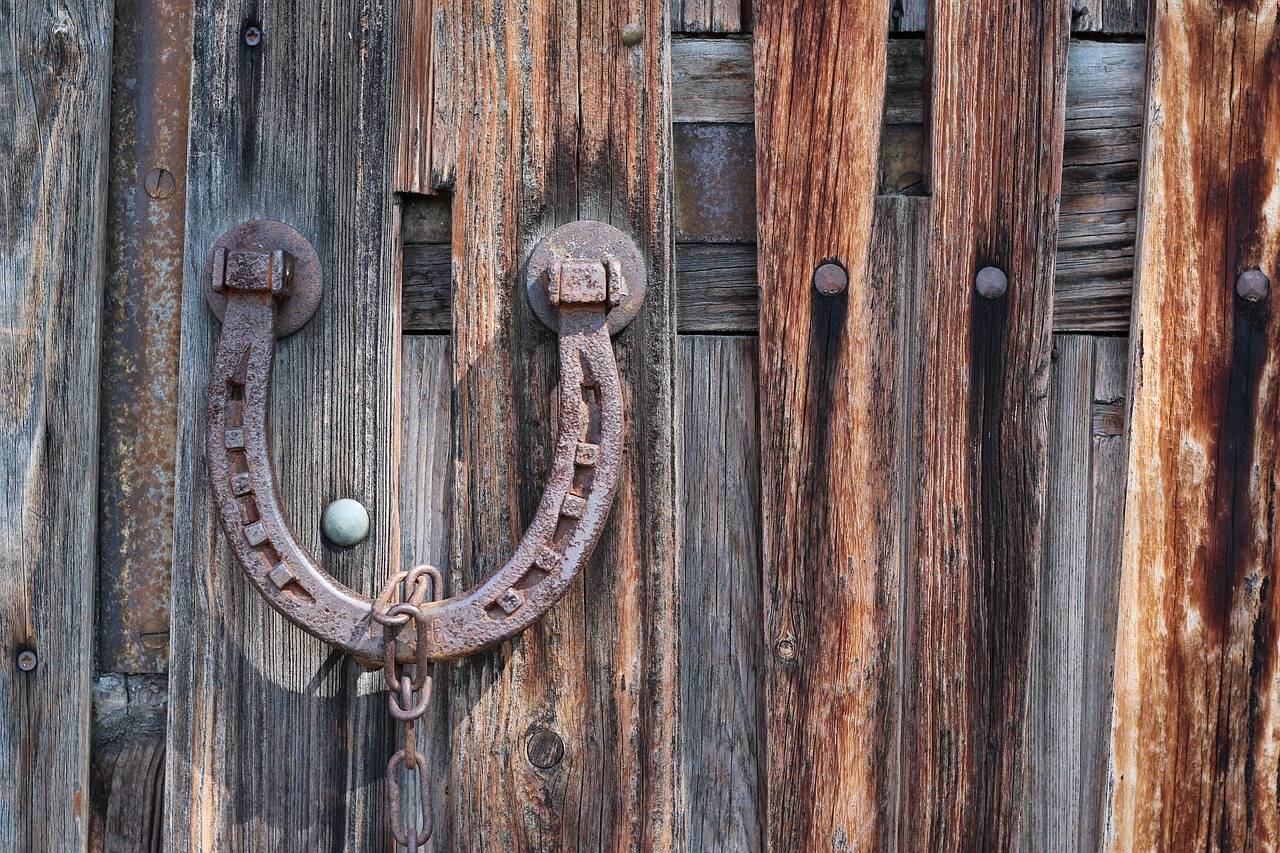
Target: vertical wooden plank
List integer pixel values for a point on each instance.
(1196, 742)
(565, 738)
(275, 741)
(721, 658)
(55, 67)
(415, 76)
(829, 509)
(709, 16)
(426, 499)
(1073, 642)
(977, 538)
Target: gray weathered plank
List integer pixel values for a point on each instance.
(710, 16)
(54, 83)
(275, 741)
(1074, 635)
(721, 655)
(566, 737)
(426, 496)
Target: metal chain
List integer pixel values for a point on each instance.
(409, 696)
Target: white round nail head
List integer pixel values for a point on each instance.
(345, 522)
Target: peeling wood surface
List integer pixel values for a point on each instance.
(566, 737)
(274, 740)
(54, 84)
(721, 658)
(1195, 755)
(976, 535)
(1073, 638)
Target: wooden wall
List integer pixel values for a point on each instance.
(857, 672)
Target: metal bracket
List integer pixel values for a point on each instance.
(263, 282)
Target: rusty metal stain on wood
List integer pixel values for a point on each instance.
(1196, 658)
(146, 206)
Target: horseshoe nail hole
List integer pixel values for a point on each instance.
(295, 591)
(564, 527)
(531, 578)
(235, 391)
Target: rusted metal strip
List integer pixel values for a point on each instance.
(141, 324)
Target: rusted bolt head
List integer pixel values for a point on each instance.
(830, 278)
(1253, 285)
(27, 660)
(632, 34)
(160, 183)
(345, 522)
(991, 282)
(544, 748)
(252, 36)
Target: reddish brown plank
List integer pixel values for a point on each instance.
(830, 556)
(999, 75)
(1196, 742)
(565, 738)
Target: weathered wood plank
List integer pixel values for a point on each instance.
(55, 78)
(830, 568)
(977, 535)
(1194, 757)
(275, 741)
(1074, 634)
(127, 789)
(710, 16)
(416, 120)
(565, 738)
(1109, 17)
(712, 80)
(426, 499)
(721, 659)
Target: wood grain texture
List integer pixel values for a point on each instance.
(712, 89)
(721, 658)
(1109, 17)
(55, 67)
(426, 498)
(276, 742)
(417, 87)
(1196, 747)
(977, 533)
(1074, 635)
(835, 399)
(565, 738)
(830, 558)
(710, 16)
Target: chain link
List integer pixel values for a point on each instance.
(408, 696)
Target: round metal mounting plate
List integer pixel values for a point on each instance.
(587, 240)
(305, 283)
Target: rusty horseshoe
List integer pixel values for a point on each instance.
(586, 280)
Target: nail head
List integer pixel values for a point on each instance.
(345, 522)
(252, 36)
(160, 183)
(632, 34)
(545, 749)
(830, 278)
(991, 282)
(1253, 285)
(27, 660)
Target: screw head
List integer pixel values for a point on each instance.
(991, 282)
(160, 183)
(544, 749)
(345, 522)
(1253, 285)
(252, 36)
(830, 278)
(632, 34)
(27, 660)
